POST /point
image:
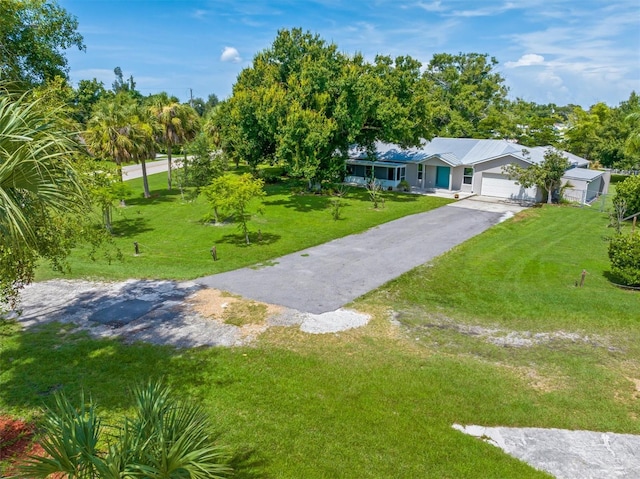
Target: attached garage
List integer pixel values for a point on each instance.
(500, 186)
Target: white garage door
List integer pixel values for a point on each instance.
(502, 187)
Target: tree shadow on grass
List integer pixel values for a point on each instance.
(131, 226)
(157, 196)
(53, 358)
(302, 203)
(256, 239)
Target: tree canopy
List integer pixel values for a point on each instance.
(546, 175)
(304, 103)
(33, 37)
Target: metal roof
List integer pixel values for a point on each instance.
(582, 174)
(460, 152)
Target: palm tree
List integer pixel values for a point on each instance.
(42, 197)
(37, 172)
(118, 131)
(176, 124)
(165, 439)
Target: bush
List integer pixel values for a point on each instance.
(165, 438)
(628, 193)
(404, 186)
(624, 253)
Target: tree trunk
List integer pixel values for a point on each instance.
(145, 180)
(119, 169)
(106, 215)
(169, 167)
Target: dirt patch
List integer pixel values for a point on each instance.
(504, 337)
(250, 316)
(17, 443)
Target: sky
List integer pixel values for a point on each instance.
(549, 51)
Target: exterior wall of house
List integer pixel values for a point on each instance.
(583, 191)
(429, 177)
(412, 175)
(495, 167)
(456, 178)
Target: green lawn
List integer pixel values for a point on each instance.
(176, 244)
(379, 401)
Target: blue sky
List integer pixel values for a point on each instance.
(560, 51)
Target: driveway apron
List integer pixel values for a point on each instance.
(325, 277)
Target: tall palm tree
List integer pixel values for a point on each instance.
(118, 131)
(176, 125)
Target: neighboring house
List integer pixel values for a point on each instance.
(468, 165)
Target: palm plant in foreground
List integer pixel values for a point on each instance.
(40, 190)
(164, 439)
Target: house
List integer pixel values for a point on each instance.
(469, 166)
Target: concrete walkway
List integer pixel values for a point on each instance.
(326, 277)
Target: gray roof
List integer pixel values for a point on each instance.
(460, 151)
(582, 174)
(536, 155)
(468, 151)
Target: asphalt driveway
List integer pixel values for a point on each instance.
(325, 277)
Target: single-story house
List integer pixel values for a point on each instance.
(467, 165)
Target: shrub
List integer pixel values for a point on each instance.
(336, 208)
(628, 192)
(404, 186)
(624, 253)
(165, 438)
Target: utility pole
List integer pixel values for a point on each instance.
(191, 97)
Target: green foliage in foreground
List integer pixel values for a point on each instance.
(164, 439)
(175, 243)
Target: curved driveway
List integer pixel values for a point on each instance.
(326, 277)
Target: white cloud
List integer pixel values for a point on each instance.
(550, 78)
(491, 10)
(435, 6)
(199, 13)
(526, 61)
(230, 54)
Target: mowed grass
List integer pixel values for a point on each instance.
(526, 273)
(175, 243)
(379, 401)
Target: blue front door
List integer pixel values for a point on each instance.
(442, 177)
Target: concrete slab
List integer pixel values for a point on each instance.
(494, 205)
(122, 313)
(566, 454)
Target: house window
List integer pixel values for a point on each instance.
(467, 178)
(402, 173)
(420, 171)
(367, 171)
(390, 173)
(351, 169)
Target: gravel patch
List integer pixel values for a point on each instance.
(566, 454)
(161, 312)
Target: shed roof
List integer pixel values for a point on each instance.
(582, 174)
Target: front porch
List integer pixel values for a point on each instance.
(387, 174)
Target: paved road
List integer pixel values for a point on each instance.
(326, 277)
(130, 172)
